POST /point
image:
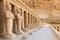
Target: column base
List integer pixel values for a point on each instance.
(25, 30)
(1, 35)
(20, 32)
(9, 35)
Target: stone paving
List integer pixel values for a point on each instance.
(45, 33)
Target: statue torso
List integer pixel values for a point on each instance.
(9, 14)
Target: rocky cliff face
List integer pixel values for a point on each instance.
(47, 9)
(43, 4)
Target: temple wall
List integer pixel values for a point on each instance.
(29, 19)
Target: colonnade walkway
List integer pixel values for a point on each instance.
(44, 33)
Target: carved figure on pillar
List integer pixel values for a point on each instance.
(19, 19)
(9, 21)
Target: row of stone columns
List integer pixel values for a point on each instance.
(33, 21)
(11, 20)
(15, 20)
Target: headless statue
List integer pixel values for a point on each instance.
(19, 19)
(9, 22)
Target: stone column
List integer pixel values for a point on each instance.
(19, 21)
(29, 21)
(2, 20)
(23, 19)
(34, 22)
(38, 23)
(9, 21)
(26, 21)
(15, 29)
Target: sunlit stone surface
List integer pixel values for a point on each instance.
(44, 33)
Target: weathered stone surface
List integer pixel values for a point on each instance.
(43, 4)
(50, 7)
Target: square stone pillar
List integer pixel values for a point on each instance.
(15, 29)
(2, 19)
(26, 20)
(30, 20)
(23, 19)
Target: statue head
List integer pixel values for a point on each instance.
(18, 10)
(8, 6)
